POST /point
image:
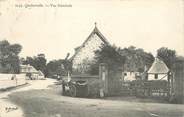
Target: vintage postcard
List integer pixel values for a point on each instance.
(91, 58)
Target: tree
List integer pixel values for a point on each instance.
(109, 55)
(41, 62)
(9, 59)
(55, 67)
(67, 63)
(167, 55)
(58, 67)
(136, 59)
(38, 62)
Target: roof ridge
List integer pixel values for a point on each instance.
(158, 66)
(95, 31)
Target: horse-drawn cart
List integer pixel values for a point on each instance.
(80, 85)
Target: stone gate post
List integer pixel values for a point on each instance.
(103, 74)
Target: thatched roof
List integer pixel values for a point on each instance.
(158, 67)
(28, 69)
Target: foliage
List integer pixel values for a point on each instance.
(109, 55)
(132, 58)
(58, 67)
(9, 59)
(136, 59)
(67, 65)
(38, 62)
(167, 55)
(55, 67)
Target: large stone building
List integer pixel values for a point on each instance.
(84, 55)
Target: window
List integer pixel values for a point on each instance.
(156, 76)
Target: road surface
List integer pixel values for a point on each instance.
(49, 104)
(5, 103)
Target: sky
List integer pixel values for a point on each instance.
(55, 31)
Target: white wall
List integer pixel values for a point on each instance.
(130, 76)
(160, 76)
(5, 80)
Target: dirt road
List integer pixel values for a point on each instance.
(5, 103)
(45, 102)
(50, 103)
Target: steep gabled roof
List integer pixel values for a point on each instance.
(95, 31)
(29, 68)
(158, 67)
(40, 73)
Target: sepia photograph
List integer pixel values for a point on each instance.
(91, 58)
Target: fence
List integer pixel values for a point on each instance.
(11, 80)
(152, 88)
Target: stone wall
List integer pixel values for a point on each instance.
(86, 54)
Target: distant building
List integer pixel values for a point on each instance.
(158, 70)
(85, 54)
(28, 69)
(130, 76)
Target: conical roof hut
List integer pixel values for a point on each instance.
(158, 67)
